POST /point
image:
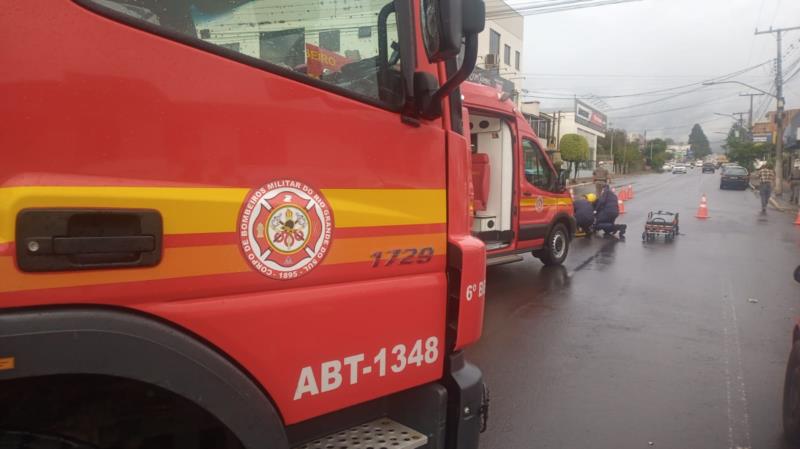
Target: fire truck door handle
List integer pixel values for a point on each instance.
(80, 239)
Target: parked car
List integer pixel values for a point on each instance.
(666, 167)
(698, 164)
(708, 167)
(679, 169)
(734, 176)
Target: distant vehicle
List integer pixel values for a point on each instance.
(698, 164)
(708, 167)
(734, 176)
(679, 169)
(728, 165)
(666, 167)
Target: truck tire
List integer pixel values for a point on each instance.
(555, 247)
(791, 398)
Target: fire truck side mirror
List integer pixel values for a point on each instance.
(445, 23)
(563, 176)
(797, 274)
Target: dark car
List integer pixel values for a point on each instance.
(708, 167)
(734, 176)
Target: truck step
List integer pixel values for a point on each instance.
(500, 260)
(382, 433)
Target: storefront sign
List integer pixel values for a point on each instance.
(762, 138)
(589, 117)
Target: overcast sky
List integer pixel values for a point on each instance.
(655, 44)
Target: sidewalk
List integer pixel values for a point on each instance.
(779, 203)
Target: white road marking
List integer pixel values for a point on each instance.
(735, 387)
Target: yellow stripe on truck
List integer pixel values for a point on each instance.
(547, 202)
(196, 210)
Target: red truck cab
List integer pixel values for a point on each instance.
(520, 202)
(238, 224)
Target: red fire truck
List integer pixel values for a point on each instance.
(520, 201)
(215, 234)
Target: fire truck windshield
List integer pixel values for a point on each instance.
(334, 41)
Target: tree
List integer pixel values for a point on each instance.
(744, 152)
(656, 148)
(627, 157)
(574, 149)
(658, 161)
(604, 146)
(698, 142)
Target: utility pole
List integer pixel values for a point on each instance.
(611, 130)
(558, 132)
(779, 110)
(750, 114)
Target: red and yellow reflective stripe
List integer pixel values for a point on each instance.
(197, 210)
(548, 201)
(200, 228)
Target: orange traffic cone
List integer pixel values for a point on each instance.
(702, 211)
(623, 194)
(797, 219)
(621, 206)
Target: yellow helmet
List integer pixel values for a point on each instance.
(591, 197)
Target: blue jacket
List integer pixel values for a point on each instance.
(584, 212)
(606, 206)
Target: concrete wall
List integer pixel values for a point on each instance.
(511, 33)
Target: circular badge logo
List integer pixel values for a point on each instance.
(285, 229)
(539, 204)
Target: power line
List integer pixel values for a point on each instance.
(547, 7)
(659, 91)
(673, 109)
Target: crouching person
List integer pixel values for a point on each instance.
(584, 213)
(606, 212)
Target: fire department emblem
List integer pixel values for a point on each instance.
(285, 229)
(539, 204)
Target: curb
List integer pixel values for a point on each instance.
(772, 201)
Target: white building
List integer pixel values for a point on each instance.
(502, 38)
(635, 137)
(679, 150)
(565, 124)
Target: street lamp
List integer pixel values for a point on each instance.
(779, 130)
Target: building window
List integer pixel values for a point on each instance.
(283, 47)
(516, 60)
(364, 31)
(329, 40)
(232, 46)
(494, 43)
(507, 55)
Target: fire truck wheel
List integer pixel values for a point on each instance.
(791, 397)
(555, 247)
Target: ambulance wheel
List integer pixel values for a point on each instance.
(555, 247)
(791, 398)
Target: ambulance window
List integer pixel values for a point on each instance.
(332, 42)
(537, 171)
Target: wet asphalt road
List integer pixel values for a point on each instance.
(632, 343)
